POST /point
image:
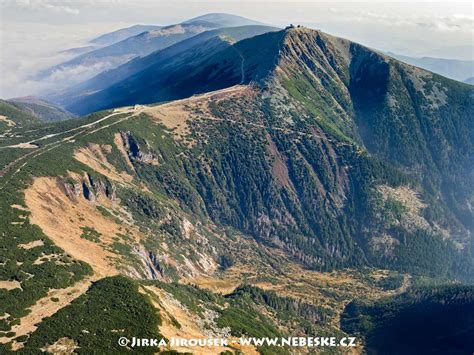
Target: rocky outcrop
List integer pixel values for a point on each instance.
(136, 151)
(89, 187)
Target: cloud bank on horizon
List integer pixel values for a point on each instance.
(35, 32)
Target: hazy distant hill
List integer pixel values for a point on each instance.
(107, 57)
(225, 20)
(123, 33)
(455, 69)
(12, 115)
(46, 111)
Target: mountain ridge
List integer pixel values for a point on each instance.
(111, 77)
(108, 56)
(44, 110)
(454, 69)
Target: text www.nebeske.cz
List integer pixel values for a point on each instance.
(135, 342)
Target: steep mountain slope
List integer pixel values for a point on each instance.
(313, 152)
(104, 58)
(41, 109)
(455, 69)
(158, 60)
(419, 122)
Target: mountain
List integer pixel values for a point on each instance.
(163, 60)
(91, 63)
(278, 179)
(217, 19)
(110, 38)
(119, 35)
(11, 115)
(225, 20)
(78, 50)
(330, 76)
(470, 80)
(41, 109)
(451, 68)
(462, 52)
(196, 70)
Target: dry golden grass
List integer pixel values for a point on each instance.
(10, 284)
(62, 346)
(61, 220)
(9, 122)
(94, 156)
(176, 115)
(33, 244)
(172, 310)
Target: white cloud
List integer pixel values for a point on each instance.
(67, 7)
(25, 50)
(451, 23)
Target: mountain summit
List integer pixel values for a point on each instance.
(224, 20)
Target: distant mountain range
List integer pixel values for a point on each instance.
(470, 80)
(116, 36)
(162, 67)
(224, 20)
(76, 77)
(455, 69)
(120, 46)
(44, 110)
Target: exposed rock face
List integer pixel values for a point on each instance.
(136, 152)
(90, 188)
